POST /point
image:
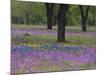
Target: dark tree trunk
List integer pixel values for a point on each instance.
(49, 13)
(18, 20)
(54, 20)
(61, 22)
(84, 17)
(26, 18)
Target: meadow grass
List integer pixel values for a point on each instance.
(40, 39)
(54, 28)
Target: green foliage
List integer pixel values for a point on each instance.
(35, 13)
(73, 15)
(92, 16)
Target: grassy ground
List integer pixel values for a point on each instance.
(70, 40)
(68, 28)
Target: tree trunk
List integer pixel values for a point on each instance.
(61, 22)
(26, 19)
(84, 27)
(49, 13)
(54, 20)
(84, 17)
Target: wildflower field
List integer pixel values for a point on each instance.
(35, 49)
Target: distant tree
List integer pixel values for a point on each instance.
(61, 22)
(49, 13)
(55, 13)
(54, 20)
(92, 16)
(84, 16)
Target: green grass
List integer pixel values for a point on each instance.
(81, 40)
(68, 28)
(88, 66)
(40, 39)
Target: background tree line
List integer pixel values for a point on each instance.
(30, 13)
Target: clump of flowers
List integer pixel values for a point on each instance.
(48, 55)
